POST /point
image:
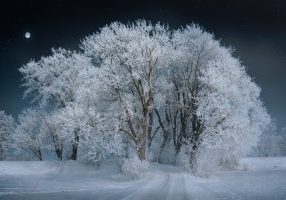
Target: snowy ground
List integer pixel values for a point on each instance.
(256, 178)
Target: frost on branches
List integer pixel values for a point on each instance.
(129, 61)
(6, 131)
(147, 89)
(62, 85)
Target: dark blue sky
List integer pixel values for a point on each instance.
(256, 29)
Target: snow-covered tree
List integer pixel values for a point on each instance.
(129, 59)
(192, 50)
(64, 85)
(28, 135)
(6, 131)
(55, 81)
(229, 107)
(97, 140)
(211, 101)
(269, 141)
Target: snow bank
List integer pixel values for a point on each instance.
(262, 163)
(111, 168)
(44, 167)
(135, 167)
(27, 167)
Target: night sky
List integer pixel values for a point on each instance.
(255, 28)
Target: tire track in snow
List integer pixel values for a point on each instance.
(177, 188)
(153, 189)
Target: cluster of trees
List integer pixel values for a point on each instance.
(272, 142)
(141, 88)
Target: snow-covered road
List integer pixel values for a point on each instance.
(159, 183)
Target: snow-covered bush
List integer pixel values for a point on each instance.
(135, 167)
(101, 146)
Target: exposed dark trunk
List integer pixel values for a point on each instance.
(2, 157)
(37, 152)
(40, 155)
(57, 144)
(126, 147)
(150, 126)
(74, 152)
(59, 153)
(75, 146)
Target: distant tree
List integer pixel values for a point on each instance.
(6, 131)
(282, 141)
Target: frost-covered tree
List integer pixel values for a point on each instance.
(229, 107)
(211, 101)
(129, 59)
(192, 49)
(28, 135)
(97, 141)
(64, 84)
(55, 81)
(269, 141)
(6, 131)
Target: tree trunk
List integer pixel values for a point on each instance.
(193, 157)
(75, 146)
(150, 126)
(40, 155)
(2, 153)
(141, 151)
(58, 146)
(178, 145)
(141, 146)
(74, 152)
(126, 147)
(59, 153)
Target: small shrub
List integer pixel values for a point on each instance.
(135, 167)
